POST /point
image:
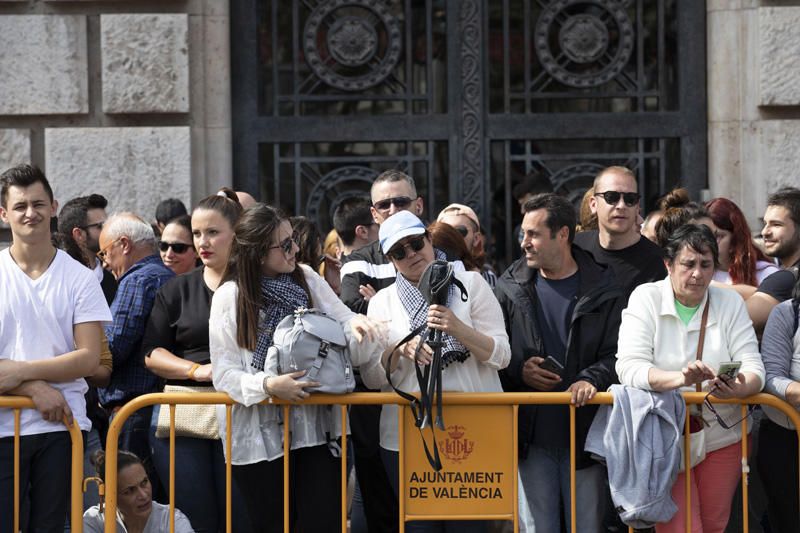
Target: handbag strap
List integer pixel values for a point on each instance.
(701, 341)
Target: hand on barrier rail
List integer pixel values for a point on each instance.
(287, 387)
(537, 377)
(582, 392)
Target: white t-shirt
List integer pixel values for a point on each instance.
(763, 270)
(36, 322)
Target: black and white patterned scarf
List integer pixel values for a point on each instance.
(281, 296)
(417, 310)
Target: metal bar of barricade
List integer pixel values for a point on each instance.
(687, 469)
(172, 468)
(17, 403)
(539, 398)
(228, 470)
(343, 462)
(745, 472)
(573, 514)
(287, 442)
(401, 471)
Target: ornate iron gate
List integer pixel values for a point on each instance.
(468, 96)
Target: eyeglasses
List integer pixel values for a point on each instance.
(98, 225)
(177, 247)
(398, 253)
(463, 230)
(612, 197)
(722, 422)
(286, 245)
(101, 255)
(400, 202)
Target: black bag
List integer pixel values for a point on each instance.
(434, 284)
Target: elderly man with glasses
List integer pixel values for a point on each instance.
(128, 250)
(617, 241)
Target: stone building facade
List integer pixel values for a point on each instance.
(132, 99)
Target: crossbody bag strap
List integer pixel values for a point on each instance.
(701, 341)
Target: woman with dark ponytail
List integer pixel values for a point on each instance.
(136, 510)
(263, 284)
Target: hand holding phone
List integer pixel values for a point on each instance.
(729, 370)
(552, 365)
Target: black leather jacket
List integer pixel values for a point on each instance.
(591, 342)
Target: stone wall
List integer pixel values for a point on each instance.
(753, 100)
(130, 99)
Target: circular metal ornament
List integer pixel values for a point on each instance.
(347, 181)
(572, 181)
(584, 39)
(352, 44)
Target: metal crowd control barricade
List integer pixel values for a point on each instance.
(451, 399)
(17, 403)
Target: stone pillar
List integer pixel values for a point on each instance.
(753, 93)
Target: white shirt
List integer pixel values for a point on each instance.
(653, 336)
(158, 522)
(36, 322)
(763, 270)
(481, 311)
(257, 429)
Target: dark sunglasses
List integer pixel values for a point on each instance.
(177, 247)
(98, 225)
(722, 422)
(285, 245)
(400, 202)
(398, 253)
(612, 197)
(463, 230)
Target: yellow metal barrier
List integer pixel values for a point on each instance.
(17, 403)
(505, 399)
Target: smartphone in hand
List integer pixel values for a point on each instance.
(552, 365)
(729, 370)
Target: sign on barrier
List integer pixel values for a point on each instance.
(477, 453)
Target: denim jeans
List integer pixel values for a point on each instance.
(545, 478)
(44, 474)
(199, 481)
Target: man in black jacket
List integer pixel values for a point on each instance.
(562, 312)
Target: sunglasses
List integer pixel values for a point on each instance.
(177, 247)
(98, 225)
(286, 245)
(101, 255)
(612, 197)
(463, 230)
(722, 422)
(400, 202)
(398, 253)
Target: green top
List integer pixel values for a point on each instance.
(685, 313)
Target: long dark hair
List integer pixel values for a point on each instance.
(225, 202)
(744, 254)
(254, 233)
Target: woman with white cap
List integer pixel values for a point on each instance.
(474, 335)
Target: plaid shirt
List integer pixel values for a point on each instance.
(130, 309)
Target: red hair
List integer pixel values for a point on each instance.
(744, 254)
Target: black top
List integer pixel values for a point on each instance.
(179, 320)
(779, 284)
(367, 266)
(632, 266)
(555, 304)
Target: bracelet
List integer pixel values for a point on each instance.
(265, 387)
(192, 370)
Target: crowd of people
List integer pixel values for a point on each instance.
(107, 308)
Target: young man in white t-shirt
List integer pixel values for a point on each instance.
(50, 333)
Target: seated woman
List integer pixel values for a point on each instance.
(476, 343)
(740, 261)
(263, 284)
(136, 510)
(657, 350)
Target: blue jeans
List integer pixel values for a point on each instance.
(44, 473)
(199, 481)
(545, 478)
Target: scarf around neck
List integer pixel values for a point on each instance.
(280, 296)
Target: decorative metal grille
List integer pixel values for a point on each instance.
(467, 95)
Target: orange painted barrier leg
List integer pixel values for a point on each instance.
(745, 473)
(172, 468)
(572, 477)
(228, 470)
(344, 467)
